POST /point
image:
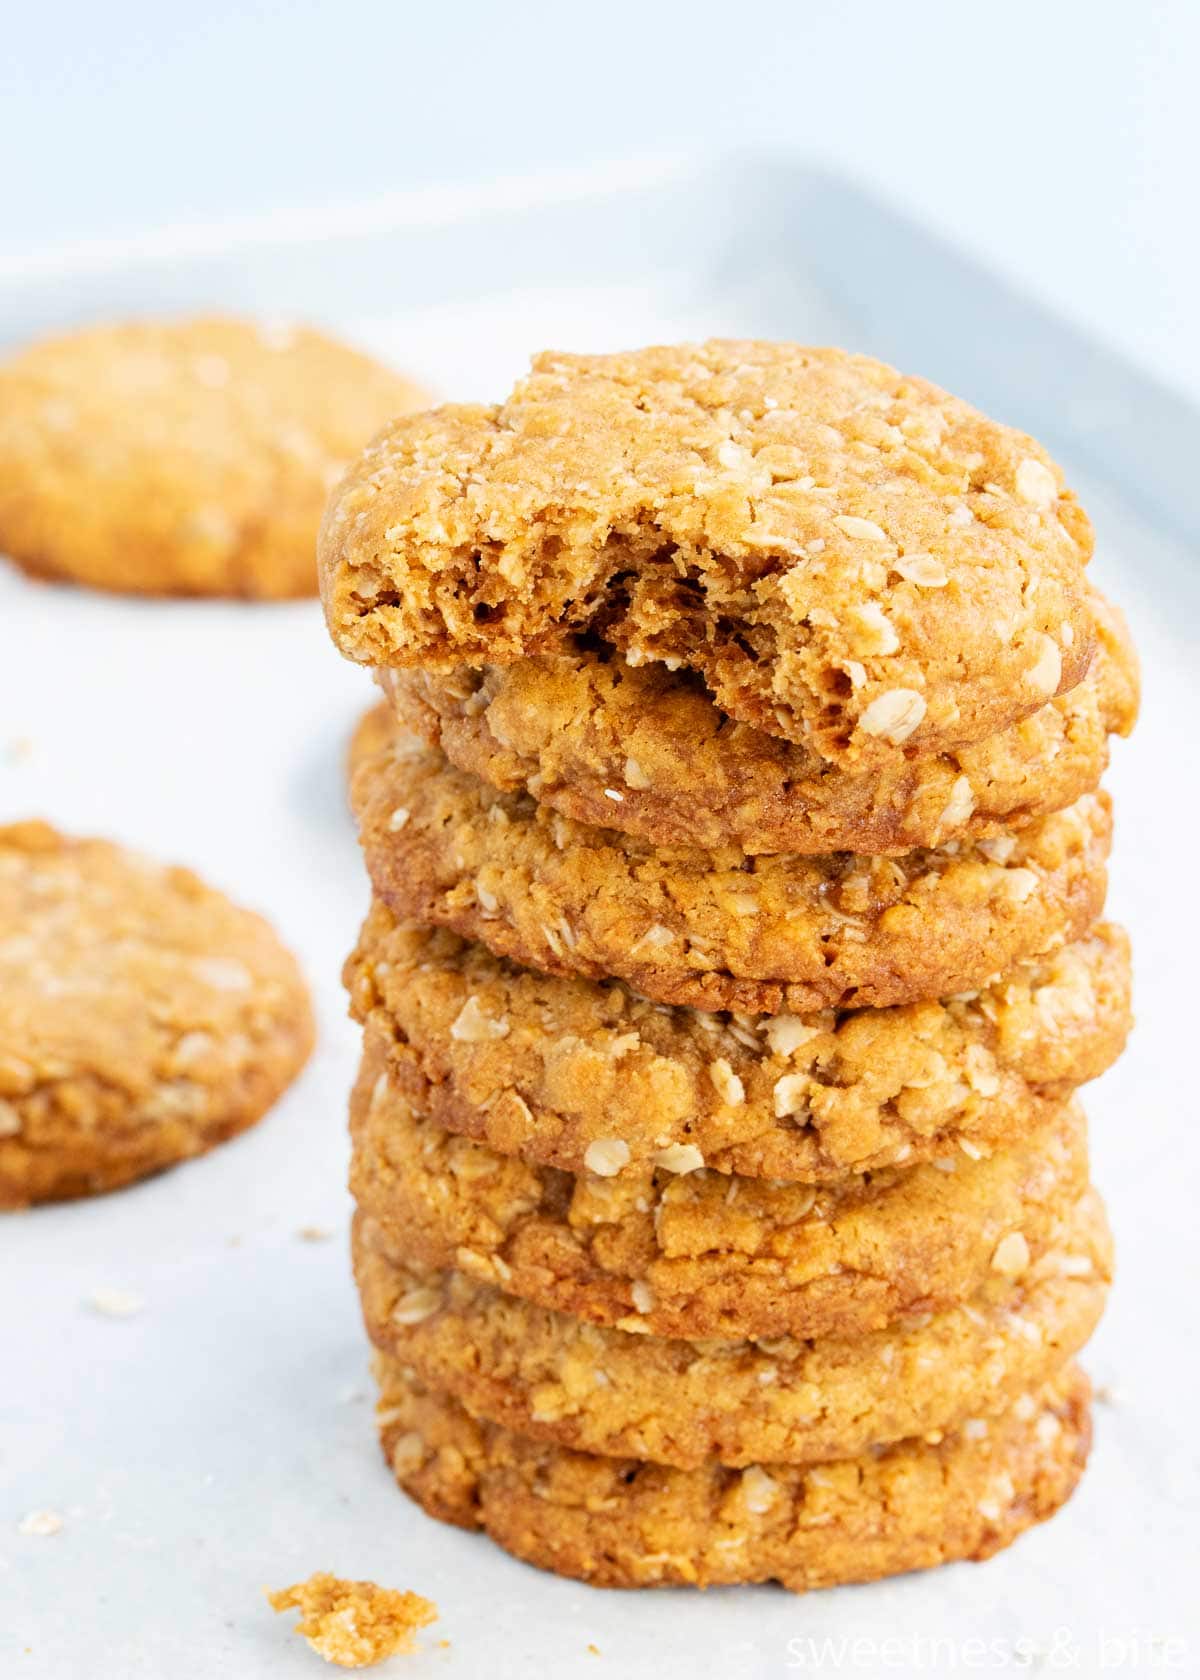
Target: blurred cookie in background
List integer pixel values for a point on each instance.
(187, 457)
(143, 1017)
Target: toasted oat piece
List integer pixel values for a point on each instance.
(699, 1254)
(620, 1522)
(644, 750)
(595, 1389)
(848, 557)
(589, 1076)
(187, 457)
(143, 1017)
(354, 1624)
(714, 929)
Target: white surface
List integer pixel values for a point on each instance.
(221, 1441)
(1059, 140)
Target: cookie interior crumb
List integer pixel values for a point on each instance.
(354, 1623)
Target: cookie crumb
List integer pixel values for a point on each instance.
(116, 1303)
(41, 1522)
(314, 1233)
(354, 1623)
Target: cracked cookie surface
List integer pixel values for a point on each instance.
(714, 929)
(588, 1075)
(624, 1523)
(645, 750)
(602, 1390)
(188, 457)
(698, 1254)
(143, 1017)
(847, 556)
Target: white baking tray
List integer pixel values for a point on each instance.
(221, 1441)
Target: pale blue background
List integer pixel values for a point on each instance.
(1058, 138)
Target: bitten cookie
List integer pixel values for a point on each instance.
(644, 750)
(143, 1017)
(588, 1075)
(188, 457)
(698, 1254)
(555, 1378)
(714, 929)
(624, 1523)
(848, 557)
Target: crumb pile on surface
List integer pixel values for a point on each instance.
(354, 1624)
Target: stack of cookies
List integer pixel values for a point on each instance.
(733, 960)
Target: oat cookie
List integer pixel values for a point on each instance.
(848, 557)
(624, 1523)
(594, 1389)
(698, 1254)
(714, 929)
(187, 457)
(645, 750)
(143, 1017)
(375, 729)
(587, 1075)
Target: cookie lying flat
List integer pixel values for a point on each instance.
(643, 750)
(188, 457)
(700, 1254)
(717, 930)
(848, 557)
(143, 1017)
(587, 1075)
(623, 1523)
(557, 1379)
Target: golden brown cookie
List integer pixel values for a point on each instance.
(143, 1017)
(698, 1254)
(187, 457)
(645, 751)
(375, 729)
(624, 1523)
(847, 557)
(714, 929)
(582, 1074)
(600, 1390)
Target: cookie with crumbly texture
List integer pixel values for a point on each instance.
(593, 1389)
(185, 457)
(715, 929)
(625, 1523)
(644, 750)
(588, 1075)
(848, 557)
(699, 1254)
(354, 1623)
(143, 1017)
